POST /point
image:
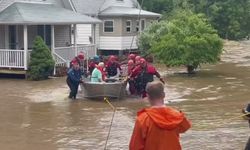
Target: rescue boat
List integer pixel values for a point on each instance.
(111, 88)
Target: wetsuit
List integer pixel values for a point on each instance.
(143, 76)
(73, 80)
(112, 68)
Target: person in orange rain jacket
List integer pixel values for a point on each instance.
(158, 127)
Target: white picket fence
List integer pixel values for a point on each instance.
(11, 58)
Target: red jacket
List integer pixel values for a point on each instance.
(138, 69)
(158, 129)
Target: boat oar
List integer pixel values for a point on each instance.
(114, 110)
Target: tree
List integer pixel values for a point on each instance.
(187, 39)
(41, 62)
(229, 17)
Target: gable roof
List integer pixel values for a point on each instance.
(94, 7)
(126, 11)
(42, 13)
(88, 7)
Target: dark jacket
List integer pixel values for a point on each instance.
(74, 76)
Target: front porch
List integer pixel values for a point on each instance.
(16, 45)
(21, 22)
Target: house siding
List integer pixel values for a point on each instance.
(2, 37)
(117, 43)
(129, 42)
(97, 35)
(83, 33)
(117, 26)
(62, 35)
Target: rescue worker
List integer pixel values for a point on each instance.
(143, 74)
(80, 60)
(131, 81)
(132, 57)
(74, 79)
(93, 63)
(246, 111)
(137, 60)
(113, 68)
(158, 127)
(98, 73)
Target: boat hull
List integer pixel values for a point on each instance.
(96, 90)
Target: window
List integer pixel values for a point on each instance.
(128, 25)
(137, 28)
(142, 25)
(45, 32)
(108, 26)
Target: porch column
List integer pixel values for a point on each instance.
(93, 35)
(53, 45)
(75, 39)
(25, 45)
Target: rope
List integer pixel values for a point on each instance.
(139, 17)
(111, 123)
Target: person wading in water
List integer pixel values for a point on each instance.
(158, 127)
(74, 79)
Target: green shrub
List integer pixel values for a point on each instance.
(41, 61)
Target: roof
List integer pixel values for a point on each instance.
(42, 13)
(89, 7)
(126, 11)
(93, 7)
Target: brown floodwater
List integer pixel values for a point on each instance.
(39, 116)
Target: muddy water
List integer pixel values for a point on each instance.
(38, 115)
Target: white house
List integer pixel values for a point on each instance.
(21, 21)
(122, 20)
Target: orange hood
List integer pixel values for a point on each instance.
(164, 117)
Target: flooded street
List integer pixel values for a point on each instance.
(39, 116)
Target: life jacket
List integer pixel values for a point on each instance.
(146, 75)
(112, 69)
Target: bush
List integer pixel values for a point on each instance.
(41, 61)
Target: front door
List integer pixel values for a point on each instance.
(12, 37)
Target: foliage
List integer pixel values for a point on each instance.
(188, 39)
(230, 17)
(41, 62)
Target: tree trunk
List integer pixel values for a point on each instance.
(190, 69)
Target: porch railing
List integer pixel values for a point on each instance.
(11, 58)
(68, 53)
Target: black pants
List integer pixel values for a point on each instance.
(73, 88)
(248, 145)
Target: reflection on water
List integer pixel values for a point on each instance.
(38, 115)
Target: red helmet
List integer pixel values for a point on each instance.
(74, 62)
(81, 55)
(130, 62)
(112, 58)
(131, 56)
(143, 61)
(137, 58)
